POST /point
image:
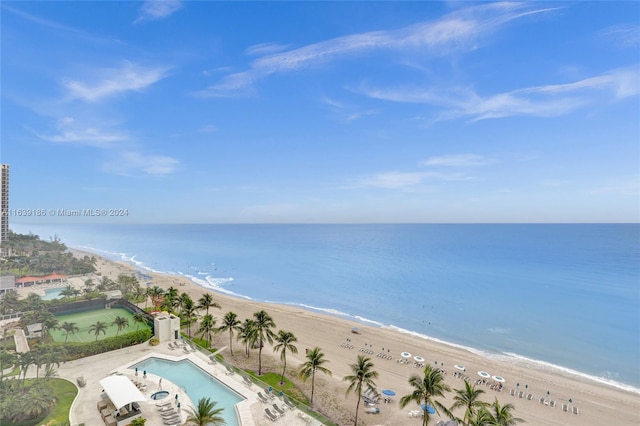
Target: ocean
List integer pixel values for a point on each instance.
(560, 296)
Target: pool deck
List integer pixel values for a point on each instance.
(250, 411)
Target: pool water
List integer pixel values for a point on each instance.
(197, 383)
(52, 293)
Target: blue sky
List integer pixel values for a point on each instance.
(185, 112)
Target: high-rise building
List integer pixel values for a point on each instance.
(4, 207)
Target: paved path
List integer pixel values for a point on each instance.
(21, 341)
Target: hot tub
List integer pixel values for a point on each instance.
(160, 395)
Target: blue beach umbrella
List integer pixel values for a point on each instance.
(429, 409)
(389, 392)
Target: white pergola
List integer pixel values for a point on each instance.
(121, 391)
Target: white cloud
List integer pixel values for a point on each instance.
(112, 81)
(403, 180)
(457, 31)
(541, 101)
(265, 48)
(130, 163)
(72, 132)
(622, 35)
(458, 160)
(158, 9)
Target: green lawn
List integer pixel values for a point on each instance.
(65, 393)
(85, 319)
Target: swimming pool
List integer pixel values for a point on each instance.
(196, 382)
(52, 293)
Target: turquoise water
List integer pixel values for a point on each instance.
(196, 382)
(558, 295)
(52, 293)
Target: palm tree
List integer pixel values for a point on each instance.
(285, 341)
(138, 318)
(188, 312)
(482, 417)
(120, 322)
(248, 334)
(502, 415)
(207, 326)
(205, 414)
(425, 389)
(68, 291)
(206, 302)
(69, 327)
(230, 322)
(469, 398)
(156, 293)
(315, 360)
(97, 328)
(263, 325)
(362, 377)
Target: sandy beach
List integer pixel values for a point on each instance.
(598, 404)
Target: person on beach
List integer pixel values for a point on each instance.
(160, 383)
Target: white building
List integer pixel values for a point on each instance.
(166, 328)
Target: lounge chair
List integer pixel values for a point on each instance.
(278, 410)
(530, 397)
(163, 402)
(262, 398)
(270, 415)
(565, 407)
(575, 410)
(169, 414)
(513, 392)
(289, 403)
(552, 403)
(372, 410)
(247, 381)
(541, 400)
(175, 421)
(230, 371)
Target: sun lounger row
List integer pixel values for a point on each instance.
(566, 408)
(346, 345)
(276, 414)
(384, 356)
(549, 402)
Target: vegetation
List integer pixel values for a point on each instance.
(263, 324)
(97, 328)
(230, 323)
(205, 413)
(29, 255)
(315, 362)
(425, 389)
(285, 342)
(120, 322)
(362, 377)
(469, 399)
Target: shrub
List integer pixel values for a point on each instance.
(154, 341)
(81, 350)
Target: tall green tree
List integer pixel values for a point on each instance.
(97, 328)
(206, 302)
(69, 328)
(361, 378)
(263, 324)
(469, 399)
(205, 414)
(231, 323)
(425, 389)
(208, 326)
(139, 318)
(315, 361)
(248, 334)
(188, 312)
(285, 342)
(502, 415)
(120, 322)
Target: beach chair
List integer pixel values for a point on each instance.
(289, 404)
(541, 400)
(163, 402)
(565, 407)
(262, 398)
(278, 409)
(270, 415)
(530, 397)
(575, 410)
(230, 371)
(513, 392)
(520, 394)
(247, 381)
(552, 403)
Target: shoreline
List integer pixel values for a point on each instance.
(599, 403)
(509, 357)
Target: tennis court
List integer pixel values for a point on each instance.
(85, 319)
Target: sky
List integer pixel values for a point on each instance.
(321, 112)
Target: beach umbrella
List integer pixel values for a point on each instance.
(405, 355)
(484, 374)
(460, 367)
(429, 409)
(176, 397)
(418, 358)
(389, 392)
(499, 379)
